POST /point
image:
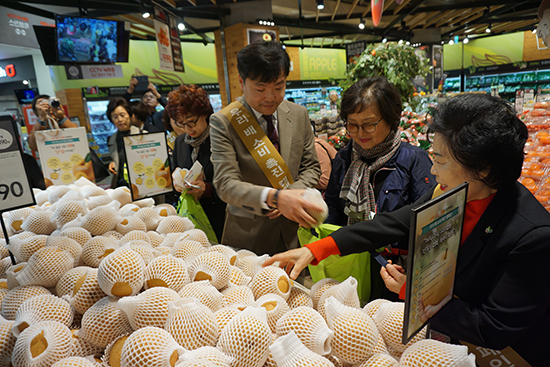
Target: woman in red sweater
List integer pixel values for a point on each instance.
(502, 287)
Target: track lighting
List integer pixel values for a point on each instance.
(361, 24)
(488, 30)
(146, 14)
(181, 26)
(320, 4)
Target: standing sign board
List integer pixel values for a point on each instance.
(15, 187)
(148, 164)
(64, 155)
(436, 230)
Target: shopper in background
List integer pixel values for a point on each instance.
(375, 172)
(139, 117)
(190, 109)
(502, 286)
(119, 113)
(259, 217)
(151, 98)
(48, 117)
(326, 154)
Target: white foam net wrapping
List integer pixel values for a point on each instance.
(207, 353)
(24, 248)
(238, 277)
(96, 249)
(166, 271)
(122, 195)
(86, 291)
(42, 344)
(152, 347)
(39, 222)
(345, 292)
(314, 196)
(196, 234)
(288, 351)
(192, 324)
(205, 292)
(237, 295)
(355, 334)
(129, 210)
(66, 284)
(104, 322)
(298, 298)
(83, 348)
(247, 338)
(55, 193)
(165, 210)
(271, 279)
(121, 273)
(45, 267)
(150, 218)
(155, 238)
(17, 296)
(143, 249)
(275, 307)
(78, 234)
(128, 224)
(97, 201)
(101, 219)
(251, 265)
(74, 362)
(224, 315)
(16, 217)
(187, 250)
(372, 307)
(67, 211)
(174, 224)
(432, 353)
(211, 266)
(149, 308)
(228, 252)
(319, 288)
(7, 341)
(380, 360)
(45, 307)
(135, 235)
(309, 326)
(67, 244)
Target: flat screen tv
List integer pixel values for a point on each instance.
(25, 96)
(46, 40)
(91, 41)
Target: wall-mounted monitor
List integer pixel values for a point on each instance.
(91, 41)
(25, 96)
(46, 40)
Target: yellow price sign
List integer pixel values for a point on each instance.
(67, 177)
(138, 168)
(157, 163)
(54, 163)
(149, 171)
(161, 182)
(76, 158)
(150, 182)
(66, 166)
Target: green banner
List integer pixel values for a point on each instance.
(199, 60)
(322, 63)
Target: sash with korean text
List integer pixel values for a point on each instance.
(258, 144)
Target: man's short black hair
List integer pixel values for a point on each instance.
(35, 99)
(263, 61)
(484, 135)
(139, 110)
(116, 102)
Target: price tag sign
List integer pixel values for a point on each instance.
(148, 164)
(15, 188)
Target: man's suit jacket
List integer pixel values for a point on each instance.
(502, 285)
(239, 180)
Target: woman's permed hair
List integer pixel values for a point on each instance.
(374, 92)
(189, 99)
(484, 135)
(116, 102)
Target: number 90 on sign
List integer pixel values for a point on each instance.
(15, 189)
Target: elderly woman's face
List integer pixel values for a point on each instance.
(121, 118)
(193, 125)
(361, 121)
(449, 173)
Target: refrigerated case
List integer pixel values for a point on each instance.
(100, 126)
(317, 100)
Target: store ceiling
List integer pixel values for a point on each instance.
(302, 24)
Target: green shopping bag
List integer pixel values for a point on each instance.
(188, 207)
(338, 267)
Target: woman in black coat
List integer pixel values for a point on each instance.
(190, 108)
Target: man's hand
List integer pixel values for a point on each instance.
(43, 109)
(292, 205)
(58, 113)
(153, 89)
(112, 168)
(293, 261)
(393, 276)
(132, 86)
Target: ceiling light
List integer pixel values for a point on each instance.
(146, 14)
(26, 82)
(408, 43)
(488, 30)
(181, 26)
(320, 4)
(384, 40)
(451, 42)
(362, 24)
(466, 40)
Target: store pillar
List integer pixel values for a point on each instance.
(72, 98)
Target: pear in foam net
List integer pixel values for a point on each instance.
(42, 344)
(227, 251)
(152, 347)
(128, 224)
(187, 250)
(345, 292)
(134, 235)
(67, 282)
(5, 264)
(83, 348)
(271, 279)
(435, 353)
(210, 354)
(42, 308)
(288, 351)
(39, 222)
(45, 267)
(24, 248)
(66, 244)
(104, 322)
(113, 352)
(205, 293)
(211, 266)
(97, 249)
(74, 362)
(17, 296)
(150, 217)
(165, 210)
(299, 297)
(309, 327)
(238, 277)
(7, 341)
(314, 196)
(355, 334)
(155, 238)
(319, 288)
(251, 265)
(174, 224)
(122, 195)
(191, 323)
(143, 248)
(121, 273)
(246, 338)
(224, 315)
(380, 360)
(16, 218)
(275, 307)
(68, 211)
(166, 271)
(11, 274)
(149, 308)
(102, 219)
(198, 235)
(237, 295)
(97, 201)
(78, 234)
(86, 291)
(56, 193)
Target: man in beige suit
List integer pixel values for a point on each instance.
(259, 217)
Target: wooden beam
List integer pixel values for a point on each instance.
(138, 35)
(419, 18)
(172, 3)
(468, 14)
(400, 6)
(335, 10)
(367, 10)
(139, 20)
(213, 2)
(194, 2)
(322, 42)
(352, 8)
(288, 33)
(333, 39)
(343, 39)
(446, 20)
(472, 18)
(387, 5)
(437, 18)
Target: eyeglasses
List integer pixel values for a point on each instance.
(368, 128)
(188, 124)
(116, 117)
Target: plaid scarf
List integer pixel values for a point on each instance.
(196, 143)
(356, 188)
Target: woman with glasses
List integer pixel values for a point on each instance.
(190, 109)
(119, 112)
(376, 171)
